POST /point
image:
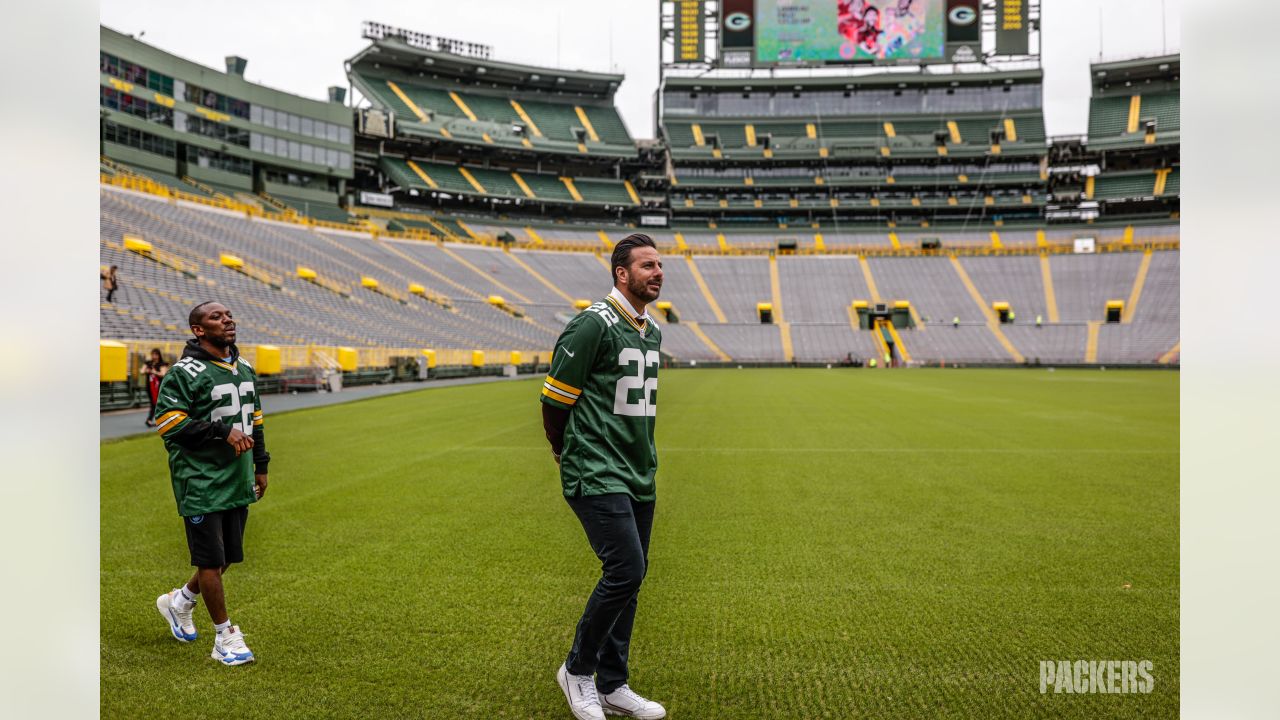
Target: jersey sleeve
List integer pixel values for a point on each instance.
(173, 403)
(572, 360)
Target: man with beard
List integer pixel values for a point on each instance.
(208, 415)
(599, 403)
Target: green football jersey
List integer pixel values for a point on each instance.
(605, 369)
(200, 400)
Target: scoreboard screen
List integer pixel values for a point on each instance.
(815, 32)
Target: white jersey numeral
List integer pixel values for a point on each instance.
(604, 311)
(648, 402)
(192, 366)
(244, 410)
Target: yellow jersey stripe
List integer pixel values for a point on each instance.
(563, 386)
(627, 315)
(558, 397)
(164, 429)
(567, 397)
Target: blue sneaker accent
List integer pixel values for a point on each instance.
(176, 628)
(230, 658)
(164, 605)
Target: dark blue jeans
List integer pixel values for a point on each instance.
(618, 529)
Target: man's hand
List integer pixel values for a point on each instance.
(557, 457)
(239, 441)
(260, 485)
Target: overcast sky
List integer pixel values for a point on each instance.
(299, 45)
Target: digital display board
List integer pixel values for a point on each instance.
(689, 34)
(800, 32)
(1012, 28)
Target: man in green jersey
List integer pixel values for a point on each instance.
(209, 417)
(599, 402)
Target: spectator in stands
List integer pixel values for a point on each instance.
(110, 282)
(955, 321)
(1039, 320)
(154, 370)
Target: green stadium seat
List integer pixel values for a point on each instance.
(1108, 116)
(1163, 108)
(555, 121)
(603, 191)
(679, 135)
(608, 125)
(1128, 185)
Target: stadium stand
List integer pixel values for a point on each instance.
(875, 149)
(717, 293)
(872, 215)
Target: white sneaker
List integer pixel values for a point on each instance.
(580, 691)
(625, 702)
(229, 647)
(171, 606)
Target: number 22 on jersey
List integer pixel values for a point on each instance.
(245, 410)
(647, 404)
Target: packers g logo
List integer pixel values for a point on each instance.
(737, 22)
(962, 15)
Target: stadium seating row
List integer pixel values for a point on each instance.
(452, 114)
(426, 175)
(715, 297)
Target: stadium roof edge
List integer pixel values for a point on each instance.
(117, 43)
(1138, 62)
(397, 53)
(891, 79)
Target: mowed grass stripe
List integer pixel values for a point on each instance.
(827, 544)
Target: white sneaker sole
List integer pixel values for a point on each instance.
(166, 611)
(562, 679)
(230, 660)
(618, 712)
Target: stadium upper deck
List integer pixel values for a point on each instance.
(203, 131)
(884, 148)
(452, 129)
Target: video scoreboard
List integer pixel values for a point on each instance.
(806, 33)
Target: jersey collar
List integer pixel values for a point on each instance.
(637, 321)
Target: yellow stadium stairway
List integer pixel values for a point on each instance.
(707, 341)
(706, 290)
(993, 322)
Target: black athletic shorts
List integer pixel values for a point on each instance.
(217, 539)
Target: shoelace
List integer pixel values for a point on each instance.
(587, 689)
(631, 694)
(234, 641)
(184, 616)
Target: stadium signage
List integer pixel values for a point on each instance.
(653, 220)
(962, 22)
(374, 198)
(1115, 677)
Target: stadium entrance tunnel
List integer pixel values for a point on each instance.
(898, 314)
(765, 311)
(1002, 311)
(668, 311)
(1115, 311)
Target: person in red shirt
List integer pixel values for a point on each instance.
(154, 370)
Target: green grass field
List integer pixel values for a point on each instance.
(827, 544)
